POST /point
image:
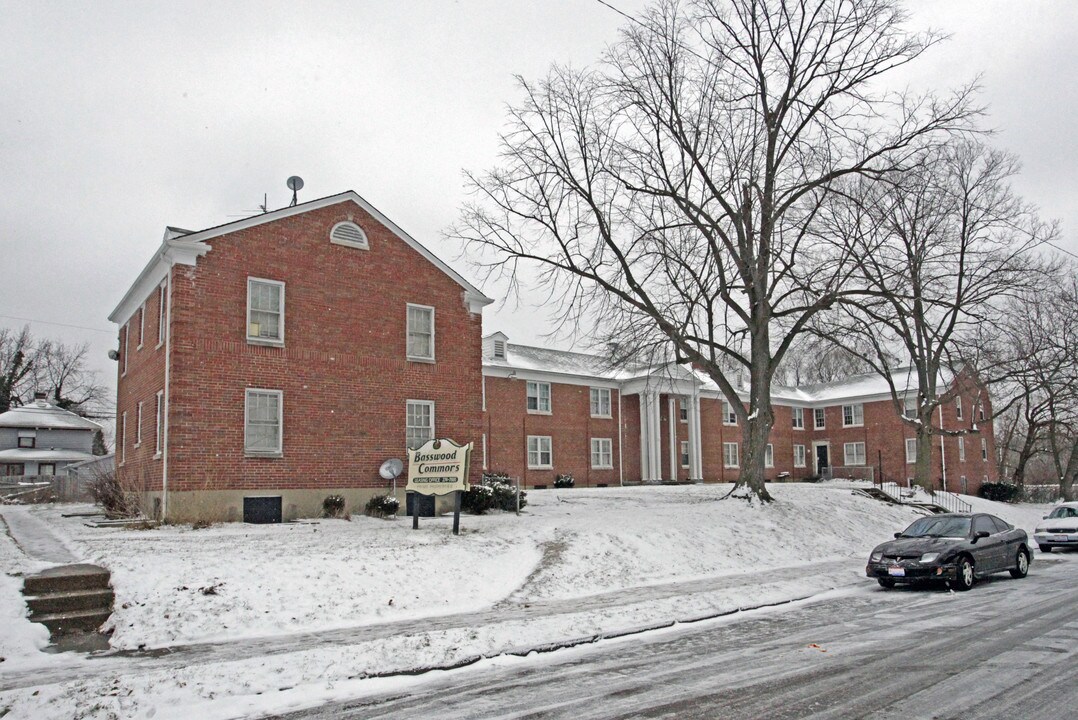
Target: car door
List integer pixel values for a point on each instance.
(1011, 540)
(987, 551)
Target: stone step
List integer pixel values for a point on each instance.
(64, 623)
(66, 578)
(70, 601)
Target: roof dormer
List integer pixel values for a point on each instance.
(496, 346)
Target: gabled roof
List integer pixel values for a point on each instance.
(40, 415)
(184, 247)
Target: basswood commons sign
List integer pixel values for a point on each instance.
(439, 467)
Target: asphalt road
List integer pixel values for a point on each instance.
(1004, 650)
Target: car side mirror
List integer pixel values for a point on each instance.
(898, 535)
(1044, 517)
(980, 534)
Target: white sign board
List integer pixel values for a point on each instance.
(439, 467)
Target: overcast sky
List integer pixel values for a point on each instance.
(117, 119)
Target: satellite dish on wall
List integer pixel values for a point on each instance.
(391, 469)
(113, 355)
(295, 184)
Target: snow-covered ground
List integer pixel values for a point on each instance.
(575, 563)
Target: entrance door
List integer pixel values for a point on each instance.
(822, 461)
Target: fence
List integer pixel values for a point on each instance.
(44, 488)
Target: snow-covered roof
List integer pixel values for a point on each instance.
(19, 455)
(558, 362)
(184, 247)
(44, 416)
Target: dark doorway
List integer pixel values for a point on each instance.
(262, 510)
(822, 461)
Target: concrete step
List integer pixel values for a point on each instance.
(64, 623)
(65, 579)
(70, 601)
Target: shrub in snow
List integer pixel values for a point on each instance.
(495, 492)
(382, 506)
(564, 481)
(1000, 492)
(333, 506)
(106, 491)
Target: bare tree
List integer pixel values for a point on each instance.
(665, 194)
(939, 248)
(29, 365)
(17, 363)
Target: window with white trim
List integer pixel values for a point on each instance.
(600, 402)
(854, 453)
(819, 418)
(162, 298)
(123, 437)
(540, 452)
(27, 439)
(349, 234)
(961, 449)
(958, 407)
(984, 448)
(798, 418)
(141, 325)
(683, 410)
(980, 409)
(799, 456)
(262, 422)
(418, 423)
(265, 311)
(420, 332)
(685, 453)
(538, 396)
(729, 417)
(138, 425)
(769, 456)
(853, 415)
(602, 454)
(160, 423)
(909, 407)
(911, 450)
(729, 455)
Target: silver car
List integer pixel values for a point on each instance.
(1058, 528)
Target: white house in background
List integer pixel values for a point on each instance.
(42, 439)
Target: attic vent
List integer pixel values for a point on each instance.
(350, 234)
(499, 349)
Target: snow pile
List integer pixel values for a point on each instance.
(21, 641)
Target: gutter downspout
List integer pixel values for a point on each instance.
(165, 411)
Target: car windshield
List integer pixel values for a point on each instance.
(953, 527)
(1063, 512)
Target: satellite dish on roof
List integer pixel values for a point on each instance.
(295, 184)
(391, 469)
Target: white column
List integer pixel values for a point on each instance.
(696, 450)
(645, 438)
(656, 438)
(675, 450)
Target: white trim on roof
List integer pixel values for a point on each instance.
(157, 268)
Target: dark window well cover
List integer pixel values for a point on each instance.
(261, 510)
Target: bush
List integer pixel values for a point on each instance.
(564, 481)
(1000, 492)
(106, 491)
(333, 506)
(495, 492)
(382, 506)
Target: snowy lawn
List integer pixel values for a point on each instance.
(575, 563)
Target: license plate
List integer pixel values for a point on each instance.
(896, 571)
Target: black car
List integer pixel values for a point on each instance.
(956, 549)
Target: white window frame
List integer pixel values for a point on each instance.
(161, 300)
(961, 449)
(730, 455)
(538, 441)
(729, 417)
(909, 407)
(984, 449)
(798, 414)
(407, 421)
(596, 399)
(123, 437)
(602, 454)
(980, 410)
(819, 418)
(911, 450)
(138, 425)
(682, 410)
(141, 326)
(856, 415)
(27, 435)
(684, 455)
(263, 452)
(853, 446)
(799, 456)
(258, 339)
(160, 423)
(539, 409)
(409, 332)
(769, 456)
(958, 407)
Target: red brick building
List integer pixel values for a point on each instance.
(270, 362)
(284, 357)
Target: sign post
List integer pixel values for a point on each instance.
(439, 467)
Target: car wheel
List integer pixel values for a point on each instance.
(1021, 564)
(964, 576)
(886, 582)
(1046, 548)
